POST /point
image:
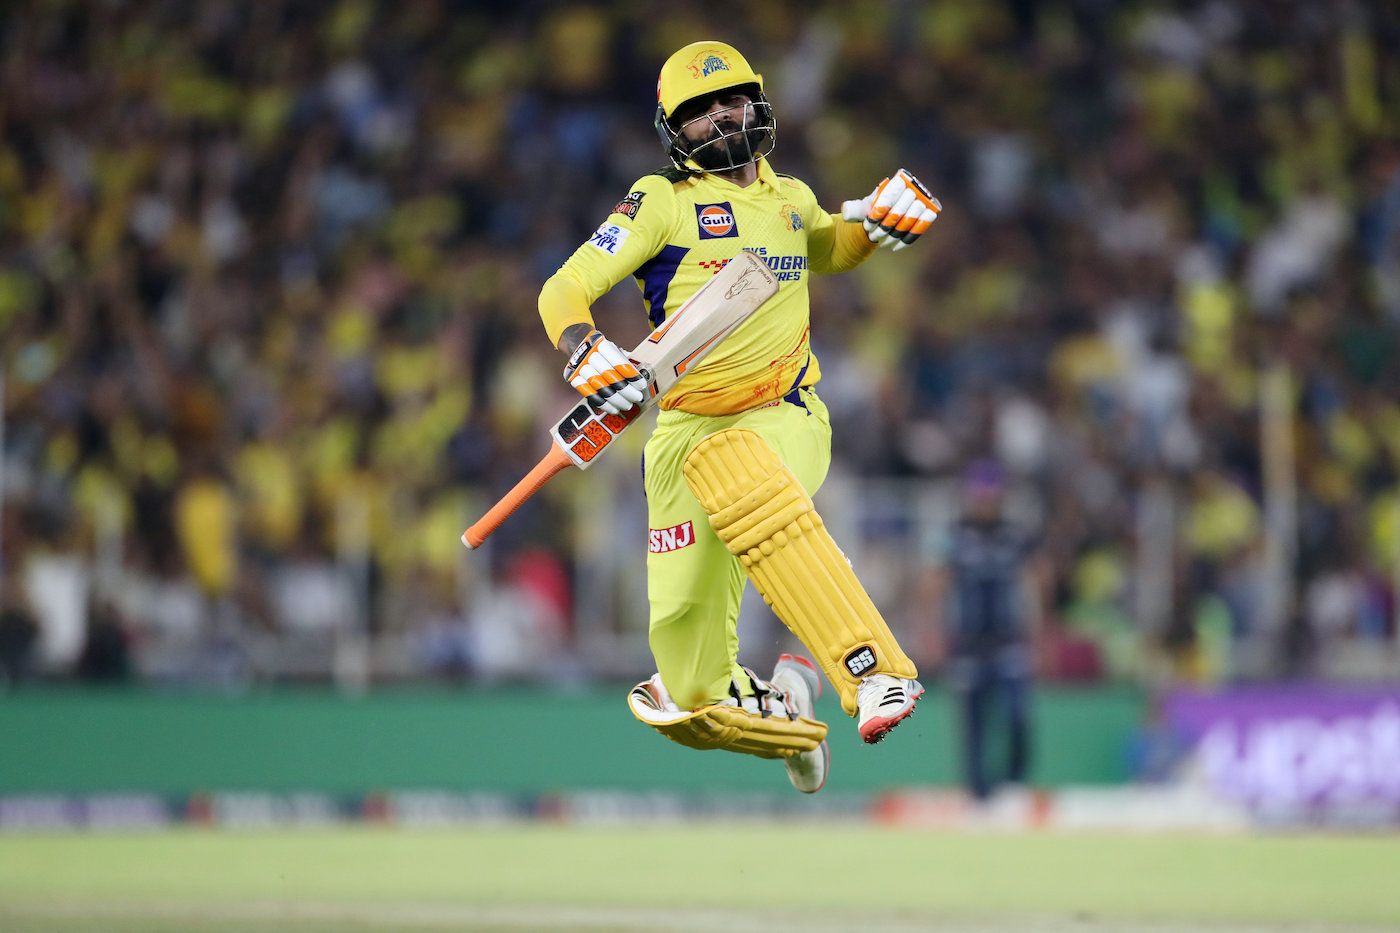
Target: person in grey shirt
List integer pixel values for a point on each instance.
(988, 586)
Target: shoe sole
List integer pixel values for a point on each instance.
(876, 729)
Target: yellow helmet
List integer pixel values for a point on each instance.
(699, 70)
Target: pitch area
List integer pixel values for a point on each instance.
(780, 876)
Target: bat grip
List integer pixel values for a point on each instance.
(544, 471)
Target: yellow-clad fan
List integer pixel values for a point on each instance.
(744, 441)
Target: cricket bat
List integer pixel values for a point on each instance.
(664, 358)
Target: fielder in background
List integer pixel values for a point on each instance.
(989, 586)
(744, 441)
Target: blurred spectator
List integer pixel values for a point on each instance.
(988, 595)
(268, 267)
(18, 634)
(105, 656)
(519, 627)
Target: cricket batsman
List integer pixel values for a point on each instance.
(742, 443)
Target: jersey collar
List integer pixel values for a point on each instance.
(766, 175)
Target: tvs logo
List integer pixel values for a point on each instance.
(664, 540)
(716, 221)
(785, 268)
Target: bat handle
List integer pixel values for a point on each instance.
(544, 471)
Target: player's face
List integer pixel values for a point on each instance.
(703, 120)
(714, 129)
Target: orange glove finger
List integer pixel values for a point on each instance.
(921, 192)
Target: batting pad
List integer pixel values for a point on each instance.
(763, 730)
(765, 518)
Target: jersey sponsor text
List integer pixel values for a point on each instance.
(629, 205)
(787, 268)
(663, 540)
(716, 221)
(609, 238)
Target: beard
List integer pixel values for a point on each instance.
(727, 147)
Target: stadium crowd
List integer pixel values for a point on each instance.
(268, 276)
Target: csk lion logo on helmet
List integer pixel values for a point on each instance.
(704, 65)
(702, 68)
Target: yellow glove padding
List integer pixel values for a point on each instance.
(760, 731)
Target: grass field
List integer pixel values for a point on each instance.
(727, 878)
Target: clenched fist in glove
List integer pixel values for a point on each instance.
(604, 375)
(896, 213)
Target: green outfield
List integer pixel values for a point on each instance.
(780, 876)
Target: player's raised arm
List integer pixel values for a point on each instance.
(896, 213)
(634, 232)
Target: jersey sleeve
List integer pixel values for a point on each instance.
(833, 245)
(635, 231)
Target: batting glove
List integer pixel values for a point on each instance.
(604, 375)
(896, 213)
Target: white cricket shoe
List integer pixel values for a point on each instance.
(797, 678)
(884, 701)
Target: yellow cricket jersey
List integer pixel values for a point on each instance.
(674, 231)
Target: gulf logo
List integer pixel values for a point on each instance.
(716, 221)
